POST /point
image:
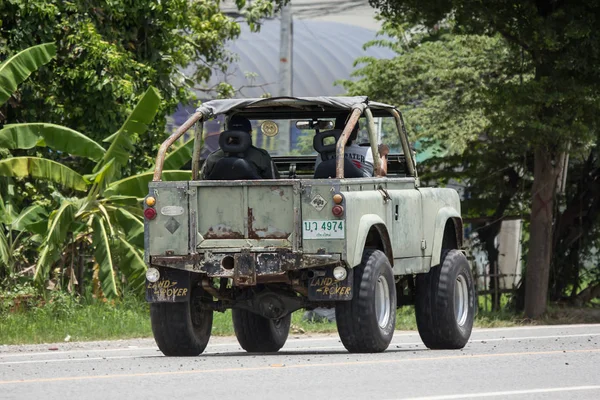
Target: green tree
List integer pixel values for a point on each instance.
(108, 212)
(554, 111)
(443, 81)
(109, 52)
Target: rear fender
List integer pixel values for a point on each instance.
(355, 250)
(444, 215)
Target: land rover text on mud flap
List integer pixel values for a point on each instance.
(324, 236)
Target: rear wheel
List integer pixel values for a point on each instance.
(257, 334)
(366, 323)
(181, 329)
(445, 303)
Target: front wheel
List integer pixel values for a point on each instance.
(257, 334)
(181, 329)
(445, 303)
(366, 323)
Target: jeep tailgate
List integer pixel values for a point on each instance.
(246, 214)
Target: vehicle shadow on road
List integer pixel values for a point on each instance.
(307, 353)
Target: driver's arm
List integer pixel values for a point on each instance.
(384, 150)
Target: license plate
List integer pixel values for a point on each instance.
(323, 229)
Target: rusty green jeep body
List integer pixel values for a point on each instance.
(267, 247)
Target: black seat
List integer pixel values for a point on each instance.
(326, 169)
(233, 166)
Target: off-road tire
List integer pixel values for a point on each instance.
(257, 334)
(358, 321)
(441, 323)
(180, 329)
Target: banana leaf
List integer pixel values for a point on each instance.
(30, 216)
(40, 168)
(4, 248)
(47, 257)
(132, 264)
(60, 222)
(103, 255)
(56, 137)
(131, 225)
(17, 68)
(138, 185)
(137, 123)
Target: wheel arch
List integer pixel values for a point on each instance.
(372, 232)
(448, 233)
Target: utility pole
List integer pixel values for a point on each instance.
(286, 51)
(285, 71)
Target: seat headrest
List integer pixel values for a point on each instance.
(235, 142)
(319, 141)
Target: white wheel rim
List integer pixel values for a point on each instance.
(461, 300)
(382, 302)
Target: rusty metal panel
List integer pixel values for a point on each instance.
(220, 212)
(250, 214)
(244, 271)
(168, 233)
(270, 212)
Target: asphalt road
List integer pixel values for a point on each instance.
(543, 362)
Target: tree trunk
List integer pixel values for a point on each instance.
(545, 176)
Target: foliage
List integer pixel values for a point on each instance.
(554, 110)
(108, 54)
(17, 68)
(113, 222)
(440, 80)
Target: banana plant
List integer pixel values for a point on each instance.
(15, 231)
(17, 68)
(109, 208)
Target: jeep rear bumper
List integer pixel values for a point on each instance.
(245, 267)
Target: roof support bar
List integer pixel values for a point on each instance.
(198, 144)
(162, 151)
(341, 144)
(373, 141)
(404, 140)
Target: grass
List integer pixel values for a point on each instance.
(57, 320)
(62, 316)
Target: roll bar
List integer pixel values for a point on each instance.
(340, 146)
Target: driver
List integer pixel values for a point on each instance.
(361, 156)
(259, 158)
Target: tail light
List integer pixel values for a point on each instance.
(338, 210)
(150, 213)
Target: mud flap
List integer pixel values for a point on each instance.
(326, 288)
(172, 287)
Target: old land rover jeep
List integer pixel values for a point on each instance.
(306, 239)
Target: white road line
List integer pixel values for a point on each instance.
(323, 339)
(519, 328)
(505, 393)
(58, 360)
(283, 351)
(532, 337)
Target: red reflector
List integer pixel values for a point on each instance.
(337, 210)
(150, 213)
